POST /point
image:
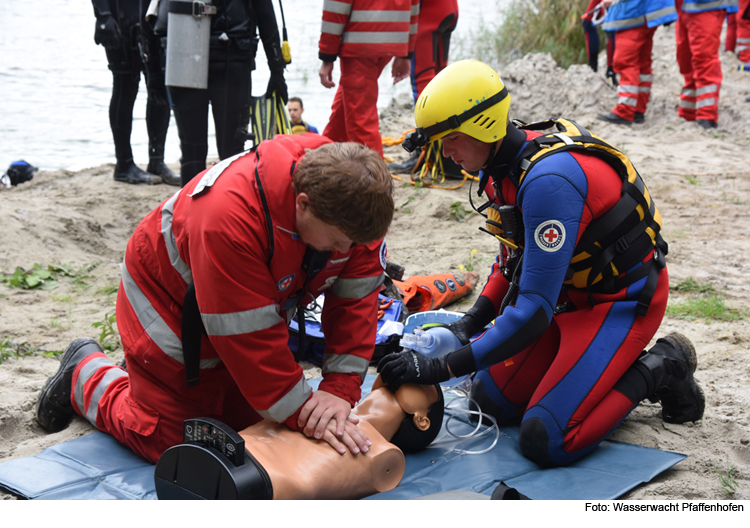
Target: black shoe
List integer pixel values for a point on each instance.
(681, 398)
(611, 117)
(747, 99)
(707, 123)
(639, 118)
(129, 172)
(158, 167)
(406, 166)
(54, 409)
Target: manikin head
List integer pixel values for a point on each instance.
(423, 405)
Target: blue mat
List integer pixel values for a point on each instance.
(97, 467)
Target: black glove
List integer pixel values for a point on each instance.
(107, 33)
(277, 84)
(412, 367)
(476, 318)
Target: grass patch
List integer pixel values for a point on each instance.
(46, 277)
(11, 349)
(692, 179)
(701, 302)
(727, 479)
(544, 26)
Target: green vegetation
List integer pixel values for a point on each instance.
(458, 212)
(11, 349)
(545, 26)
(691, 179)
(469, 264)
(109, 338)
(701, 302)
(727, 479)
(45, 277)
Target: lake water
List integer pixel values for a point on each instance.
(55, 86)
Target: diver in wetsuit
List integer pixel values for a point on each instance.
(117, 29)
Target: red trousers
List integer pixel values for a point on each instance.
(354, 113)
(633, 62)
(141, 407)
(698, 40)
(743, 32)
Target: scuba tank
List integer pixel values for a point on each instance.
(188, 41)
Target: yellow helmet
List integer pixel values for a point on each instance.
(468, 96)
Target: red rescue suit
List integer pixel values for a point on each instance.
(365, 34)
(437, 19)
(231, 233)
(698, 36)
(743, 31)
(632, 61)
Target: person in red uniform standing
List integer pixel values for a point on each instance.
(698, 35)
(634, 24)
(240, 237)
(365, 35)
(742, 19)
(437, 20)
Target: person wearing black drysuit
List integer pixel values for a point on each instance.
(234, 42)
(119, 31)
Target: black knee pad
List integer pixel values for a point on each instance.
(533, 440)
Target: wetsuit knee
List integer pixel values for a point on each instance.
(533, 440)
(490, 400)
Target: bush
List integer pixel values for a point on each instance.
(544, 26)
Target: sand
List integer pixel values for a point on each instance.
(700, 181)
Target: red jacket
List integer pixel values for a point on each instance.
(215, 233)
(368, 28)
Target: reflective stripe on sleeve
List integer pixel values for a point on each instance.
(332, 28)
(356, 288)
(376, 37)
(237, 323)
(166, 232)
(340, 8)
(366, 15)
(289, 403)
(345, 364)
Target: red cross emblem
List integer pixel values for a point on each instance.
(551, 235)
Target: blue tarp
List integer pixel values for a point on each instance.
(97, 467)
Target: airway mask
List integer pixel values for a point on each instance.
(18, 172)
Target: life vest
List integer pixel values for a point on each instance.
(606, 256)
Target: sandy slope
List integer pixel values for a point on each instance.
(700, 181)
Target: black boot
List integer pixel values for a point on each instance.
(158, 167)
(672, 362)
(611, 117)
(129, 172)
(406, 166)
(639, 118)
(54, 408)
(707, 123)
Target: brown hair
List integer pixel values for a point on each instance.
(349, 187)
(296, 100)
